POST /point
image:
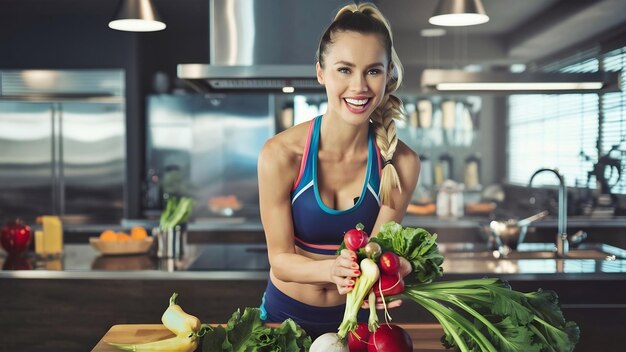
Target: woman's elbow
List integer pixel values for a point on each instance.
(280, 267)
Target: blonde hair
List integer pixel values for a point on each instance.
(367, 18)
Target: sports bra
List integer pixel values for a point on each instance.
(318, 228)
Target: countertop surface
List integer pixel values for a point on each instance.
(249, 262)
(425, 337)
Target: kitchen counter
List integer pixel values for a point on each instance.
(69, 303)
(249, 262)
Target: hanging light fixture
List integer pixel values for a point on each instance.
(459, 13)
(136, 16)
(458, 81)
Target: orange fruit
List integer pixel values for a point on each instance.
(138, 233)
(108, 235)
(122, 236)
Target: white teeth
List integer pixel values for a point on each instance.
(358, 102)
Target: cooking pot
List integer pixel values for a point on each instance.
(511, 233)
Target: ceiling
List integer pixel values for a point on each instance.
(519, 31)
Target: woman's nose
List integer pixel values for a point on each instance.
(358, 83)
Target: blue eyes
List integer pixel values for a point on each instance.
(346, 70)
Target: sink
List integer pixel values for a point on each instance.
(595, 251)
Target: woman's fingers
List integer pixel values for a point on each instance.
(405, 267)
(345, 270)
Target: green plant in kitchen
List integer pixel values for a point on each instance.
(476, 315)
(177, 211)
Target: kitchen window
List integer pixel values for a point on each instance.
(569, 131)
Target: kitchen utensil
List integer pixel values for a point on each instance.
(511, 233)
(170, 242)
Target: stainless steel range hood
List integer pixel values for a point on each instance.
(262, 45)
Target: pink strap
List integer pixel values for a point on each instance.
(304, 156)
(318, 246)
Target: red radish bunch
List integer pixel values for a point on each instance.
(390, 281)
(390, 285)
(358, 338)
(356, 238)
(390, 338)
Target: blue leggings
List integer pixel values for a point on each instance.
(277, 307)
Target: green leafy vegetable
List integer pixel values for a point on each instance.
(417, 246)
(176, 212)
(245, 332)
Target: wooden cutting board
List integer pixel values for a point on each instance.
(426, 337)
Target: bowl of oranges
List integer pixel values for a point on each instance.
(122, 243)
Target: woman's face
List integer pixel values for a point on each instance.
(355, 74)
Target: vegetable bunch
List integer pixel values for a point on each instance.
(176, 212)
(476, 315)
(186, 327)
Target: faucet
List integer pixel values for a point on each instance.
(562, 244)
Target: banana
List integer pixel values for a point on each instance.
(173, 344)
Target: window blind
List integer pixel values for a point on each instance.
(554, 131)
(546, 130)
(613, 126)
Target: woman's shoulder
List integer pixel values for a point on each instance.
(405, 155)
(287, 146)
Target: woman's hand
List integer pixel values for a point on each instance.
(344, 271)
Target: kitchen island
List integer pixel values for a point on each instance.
(69, 304)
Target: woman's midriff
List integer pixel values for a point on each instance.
(320, 295)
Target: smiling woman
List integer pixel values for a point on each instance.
(319, 179)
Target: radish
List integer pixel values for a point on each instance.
(356, 238)
(329, 342)
(390, 338)
(390, 285)
(389, 263)
(357, 339)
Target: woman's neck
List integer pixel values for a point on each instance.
(337, 136)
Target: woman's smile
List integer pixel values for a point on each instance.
(358, 105)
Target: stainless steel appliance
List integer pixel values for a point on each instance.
(262, 45)
(62, 145)
(206, 147)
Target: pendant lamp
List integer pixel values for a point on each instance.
(136, 16)
(459, 13)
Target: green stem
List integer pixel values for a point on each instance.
(372, 322)
(463, 323)
(443, 320)
(173, 299)
(457, 284)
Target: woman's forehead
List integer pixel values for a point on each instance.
(356, 47)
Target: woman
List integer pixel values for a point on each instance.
(319, 179)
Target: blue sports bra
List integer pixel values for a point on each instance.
(318, 228)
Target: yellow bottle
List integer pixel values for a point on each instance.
(52, 235)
